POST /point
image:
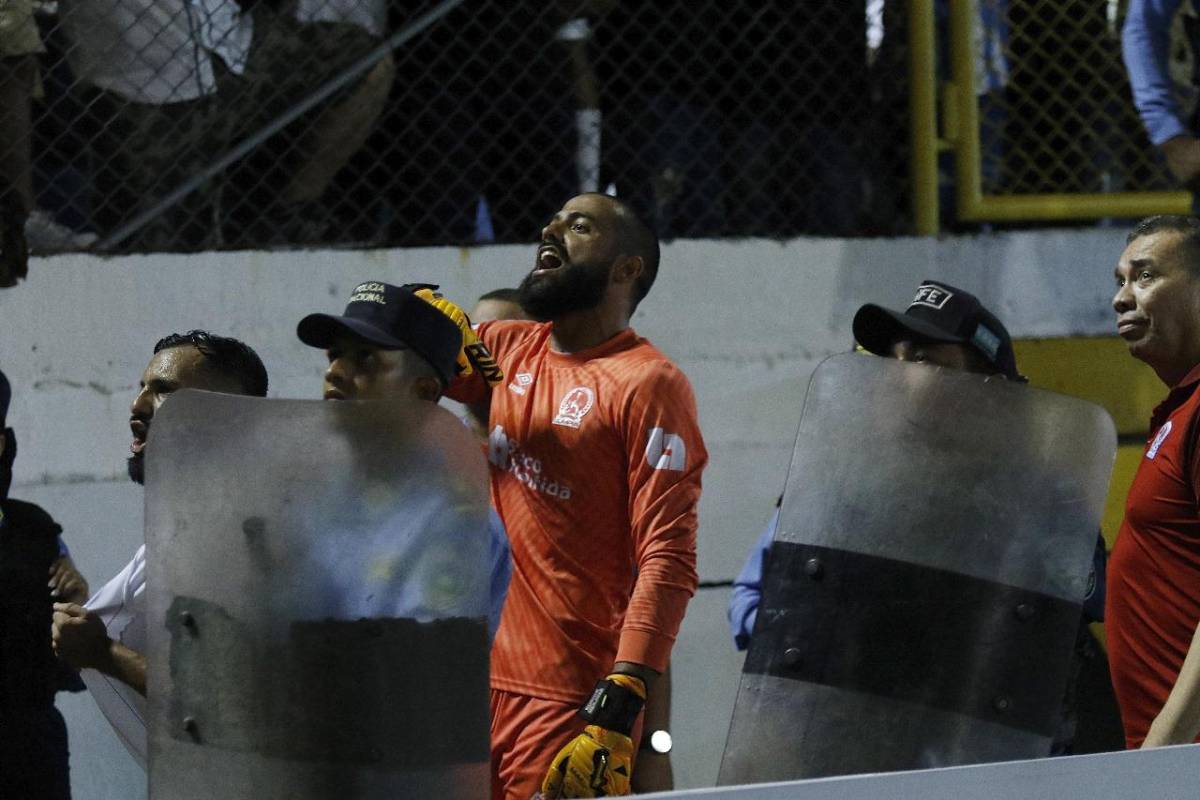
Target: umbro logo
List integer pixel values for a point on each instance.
(521, 383)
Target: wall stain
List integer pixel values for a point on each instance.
(770, 360)
(70, 479)
(59, 383)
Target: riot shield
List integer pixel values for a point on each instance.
(317, 581)
(923, 594)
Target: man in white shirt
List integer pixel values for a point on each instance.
(106, 638)
(185, 80)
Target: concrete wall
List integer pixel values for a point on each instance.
(1164, 773)
(746, 320)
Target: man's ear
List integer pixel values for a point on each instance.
(427, 388)
(627, 269)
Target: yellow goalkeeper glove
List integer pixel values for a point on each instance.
(598, 762)
(474, 354)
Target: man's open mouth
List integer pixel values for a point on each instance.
(139, 429)
(549, 257)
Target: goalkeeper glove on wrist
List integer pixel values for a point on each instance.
(474, 354)
(598, 762)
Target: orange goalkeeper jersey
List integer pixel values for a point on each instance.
(595, 460)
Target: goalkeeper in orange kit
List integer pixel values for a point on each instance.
(595, 459)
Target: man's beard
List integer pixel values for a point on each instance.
(571, 287)
(136, 466)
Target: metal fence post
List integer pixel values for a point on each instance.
(923, 116)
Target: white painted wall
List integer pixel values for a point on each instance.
(746, 320)
(1164, 773)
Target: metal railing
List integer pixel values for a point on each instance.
(1070, 144)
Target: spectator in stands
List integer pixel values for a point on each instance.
(992, 66)
(1167, 106)
(299, 46)
(484, 112)
(888, 37)
(743, 119)
(20, 45)
(152, 70)
(184, 80)
(1064, 131)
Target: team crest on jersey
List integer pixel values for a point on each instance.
(1163, 433)
(574, 407)
(521, 383)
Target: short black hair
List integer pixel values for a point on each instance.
(504, 295)
(228, 356)
(637, 239)
(1183, 224)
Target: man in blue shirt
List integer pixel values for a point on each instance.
(1146, 48)
(390, 344)
(941, 337)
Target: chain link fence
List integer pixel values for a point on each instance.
(771, 118)
(1056, 113)
(149, 125)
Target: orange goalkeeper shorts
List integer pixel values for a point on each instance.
(527, 733)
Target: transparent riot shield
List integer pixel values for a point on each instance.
(923, 594)
(317, 581)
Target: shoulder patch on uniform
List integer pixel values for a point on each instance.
(666, 450)
(1159, 439)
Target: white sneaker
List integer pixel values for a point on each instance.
(45, 235)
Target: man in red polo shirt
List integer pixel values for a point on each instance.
(1154, 574)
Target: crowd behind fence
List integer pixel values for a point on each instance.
(151, 125)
